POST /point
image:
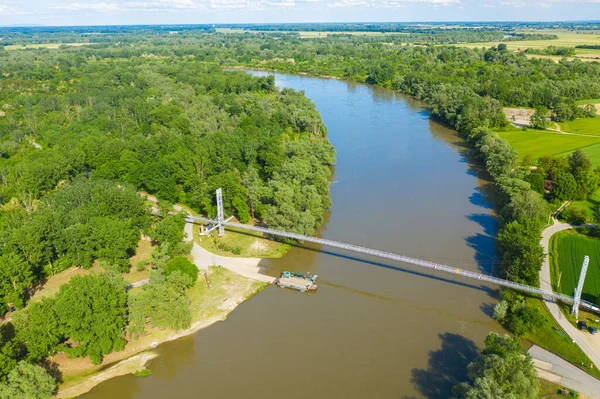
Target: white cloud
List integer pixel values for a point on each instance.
(389, 3)
(174, 5)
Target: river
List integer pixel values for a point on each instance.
(374, 329)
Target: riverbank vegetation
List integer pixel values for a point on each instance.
(501, 370)
(83, 128)
(472, 103)
(80, 135)
(206, 306)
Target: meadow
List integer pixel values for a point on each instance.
(592, 151)
(42, 45)
(588, 101)
(582, 126)
(568, 249)
(565, 39)
(535, 143)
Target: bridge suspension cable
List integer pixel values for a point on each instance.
(404, 259)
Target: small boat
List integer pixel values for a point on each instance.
(298, 281)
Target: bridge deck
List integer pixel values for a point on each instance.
(405, 259)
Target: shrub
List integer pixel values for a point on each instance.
(184, 266)
(575, 214)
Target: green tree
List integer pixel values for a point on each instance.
(38, 329)
(169, 230)
(160, 256)
(564, 187)
(500, 311)
(16, 276)
(528, 205)
(537, 180)
(501, 371)
(575, 214)
(28, 381)
(563, 112)
(92, 312)
(10, 352)
(520, 252)
(579, 163)
(163, 302)
(185, 267)
(523, 319)
(539, 120)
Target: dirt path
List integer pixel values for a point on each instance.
(588, 344)
(246, 267)
(558, 131)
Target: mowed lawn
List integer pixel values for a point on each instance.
(588, 101)
(539, 143)
(592, 151)
(571, 248)
(582, 126)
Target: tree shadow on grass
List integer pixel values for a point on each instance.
(447, 367)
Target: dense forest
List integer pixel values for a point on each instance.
(178, 129)
(82, 131)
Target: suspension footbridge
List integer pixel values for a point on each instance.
(220, 223)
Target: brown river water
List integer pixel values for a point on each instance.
(373, 329)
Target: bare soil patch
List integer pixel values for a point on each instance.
(519, 117)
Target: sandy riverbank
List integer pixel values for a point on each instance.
(235, 281)
(209, 305)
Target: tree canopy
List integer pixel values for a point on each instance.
(502, 371)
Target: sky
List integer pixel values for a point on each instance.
(121, 12)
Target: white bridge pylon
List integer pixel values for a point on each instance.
(579, 289)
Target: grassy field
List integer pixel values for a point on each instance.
(537, 143)
(582, 126)
(248, 243)
(588, 101)
(42, 45)
(568, 249)
(565, 39)
(592, 151)
(551, 337)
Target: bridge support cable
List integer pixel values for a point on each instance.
(579, 289)
(404, 259)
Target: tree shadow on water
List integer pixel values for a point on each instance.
(447, 367)
(484, 246)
